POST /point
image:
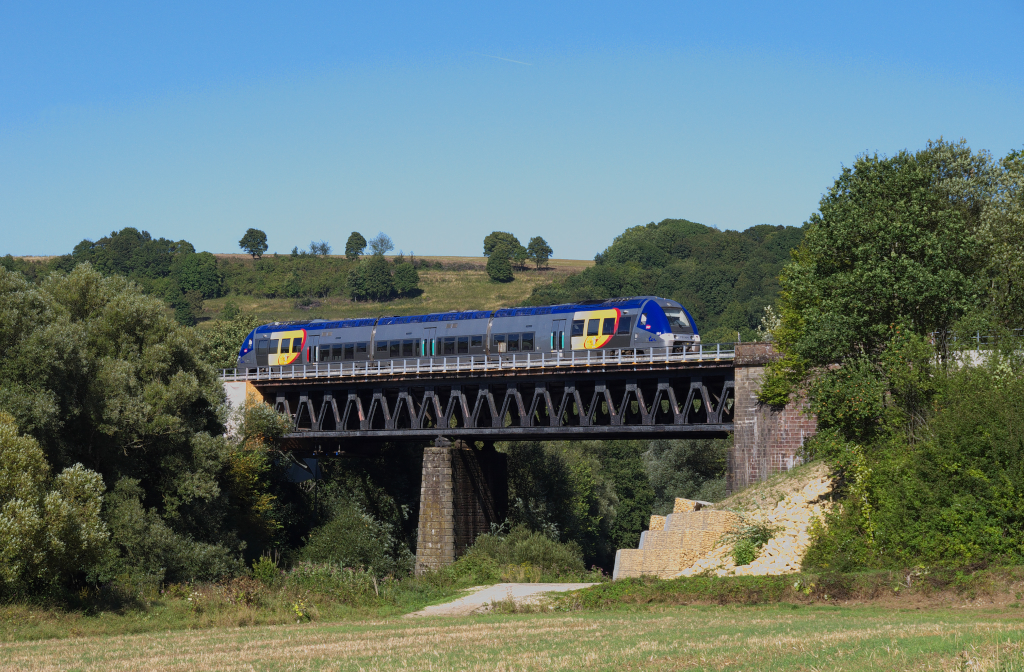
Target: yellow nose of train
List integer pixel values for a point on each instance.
(286, 346)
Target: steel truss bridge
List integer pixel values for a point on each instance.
(524, 396)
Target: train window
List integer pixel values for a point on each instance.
(592, 327)
(417, 347)
(382, 348)
(296, 345)
(608, 326)
(407, 350)
(449, 345)
(286, 346)
(528, 342)
(395, 351)
(360, 348)
(324, 353)
(350, 351)
(273, 347)
(498, 342)
(476, 341)
(624, 324)
(677, 320)
(463, 345)
(336, 352)
(577, 327)
(261, 347)
(513, 343)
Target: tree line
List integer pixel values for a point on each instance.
(726, 279)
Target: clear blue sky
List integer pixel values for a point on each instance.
(440, 123)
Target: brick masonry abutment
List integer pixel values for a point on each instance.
(767, 440)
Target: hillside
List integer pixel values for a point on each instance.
(724, 278)
(462, 284)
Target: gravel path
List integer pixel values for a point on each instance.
(523, 593)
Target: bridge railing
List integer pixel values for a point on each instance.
(512, 361)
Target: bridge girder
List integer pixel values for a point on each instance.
(677, 403)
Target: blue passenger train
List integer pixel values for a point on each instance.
(630, 325)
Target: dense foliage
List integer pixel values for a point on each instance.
(50, 526)
(907, 257)
(724, 278)
(103, 379)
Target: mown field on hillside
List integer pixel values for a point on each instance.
(462, 285)
(784, 637)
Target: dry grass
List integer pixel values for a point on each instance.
(693, 638)
(443, 290)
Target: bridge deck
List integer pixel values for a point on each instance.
(504, 364)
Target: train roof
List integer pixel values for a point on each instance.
(525, 311)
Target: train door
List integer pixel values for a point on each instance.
(311, 345)
(430, 342)
(558, 335)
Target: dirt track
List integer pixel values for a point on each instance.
(481, 598)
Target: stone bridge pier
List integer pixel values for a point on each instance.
(462, 492)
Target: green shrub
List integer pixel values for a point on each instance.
(749, 541)
(522, 548)
(265, 571)
(744, 552)
(352, 538)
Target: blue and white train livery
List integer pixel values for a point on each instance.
(631, 325)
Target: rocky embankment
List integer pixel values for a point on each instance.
(791, 519)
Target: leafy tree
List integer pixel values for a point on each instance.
(104, 378)
(406, 279)
(50, 527)
(381, 244)
(896, 240)
(321, 249)
(520, 256)
(499, 268)
(497, 238)
(254, 242)
(198, 273)
(134, 254)
(372, 280)
(539, 251)
(354, 246)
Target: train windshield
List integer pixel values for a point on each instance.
(677, 320)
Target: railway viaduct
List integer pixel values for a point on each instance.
(459, 406)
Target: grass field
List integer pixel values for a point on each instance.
(780, 637)
(443, 290)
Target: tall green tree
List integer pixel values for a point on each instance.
(539, 251)
(372, 280)
(501, 238)
(254, 242)
(499, 267)
(354, 246)
(406, 278)
(896, 240)
(198, 273)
